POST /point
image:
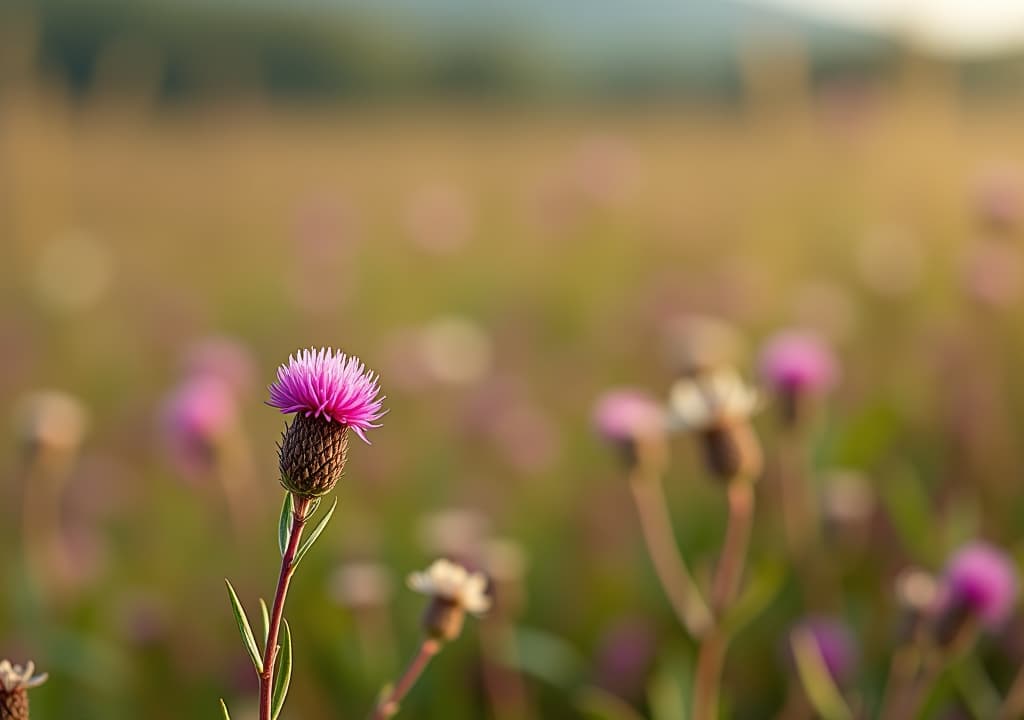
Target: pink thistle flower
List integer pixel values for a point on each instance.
(329, 384)
(196, 416)
(982, 580)
(795, 361)
(623, 415)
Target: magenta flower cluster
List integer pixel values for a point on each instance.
(329, 384)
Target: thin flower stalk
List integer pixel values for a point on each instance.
(392, 701)
(300, 514)
(725, 584)
(669, 565)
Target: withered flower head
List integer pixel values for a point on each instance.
(454, 591)
(717, 407)
(15, 682)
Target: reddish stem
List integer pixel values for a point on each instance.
(389, 706)
(299, 517)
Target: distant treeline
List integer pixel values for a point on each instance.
(190, 51)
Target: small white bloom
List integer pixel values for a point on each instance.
(449, 581)
(15, 677)
(700, 403)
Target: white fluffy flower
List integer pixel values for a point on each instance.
(15, 677)
(449, 581)
(702, 402)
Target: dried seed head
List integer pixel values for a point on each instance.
(732, 451)
(312, 455)
(15, 682)
(14, 704)
(443, 619)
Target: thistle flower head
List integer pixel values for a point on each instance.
(712, 400)
(980, 580)
(453, 583)
(329, 385)
(15, 682)
(624, 415)
(796, 361)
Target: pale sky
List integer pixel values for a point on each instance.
(969, 26)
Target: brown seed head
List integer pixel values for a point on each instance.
(732, 450)
(13, 704)
(443, 619)
(312, 455)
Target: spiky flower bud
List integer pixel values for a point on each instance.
(15, 682)
(313, 455)
(329, 393)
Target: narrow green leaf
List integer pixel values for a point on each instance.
(265, 616)
(821, 690)
(597, 704)
(243, 627)
(315, 534)
(283, 673)
(224, 710)
(284, 525)
(314, 505)
(669, 691)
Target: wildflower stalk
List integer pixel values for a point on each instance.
(392, 701)
(713, 646)
(669, 565)
(300, 513)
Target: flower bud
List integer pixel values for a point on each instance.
(312, 457)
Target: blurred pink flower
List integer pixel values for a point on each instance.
(836, 644)
(196, 416)
(624, 414)
(981, 579)
(798, 361)
(224, 358)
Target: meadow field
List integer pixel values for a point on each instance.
(501, 267)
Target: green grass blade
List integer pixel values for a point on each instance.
(283, 673)
(224, 710)
(284, 525)
(244, 629)
(265, 616)
(821, 690)
(315, 534)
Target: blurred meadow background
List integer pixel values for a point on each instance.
(505, 211)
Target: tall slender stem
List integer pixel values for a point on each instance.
(711, 656)
(299, 517)
(389, 706)
(669, 564)
(734, 550)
